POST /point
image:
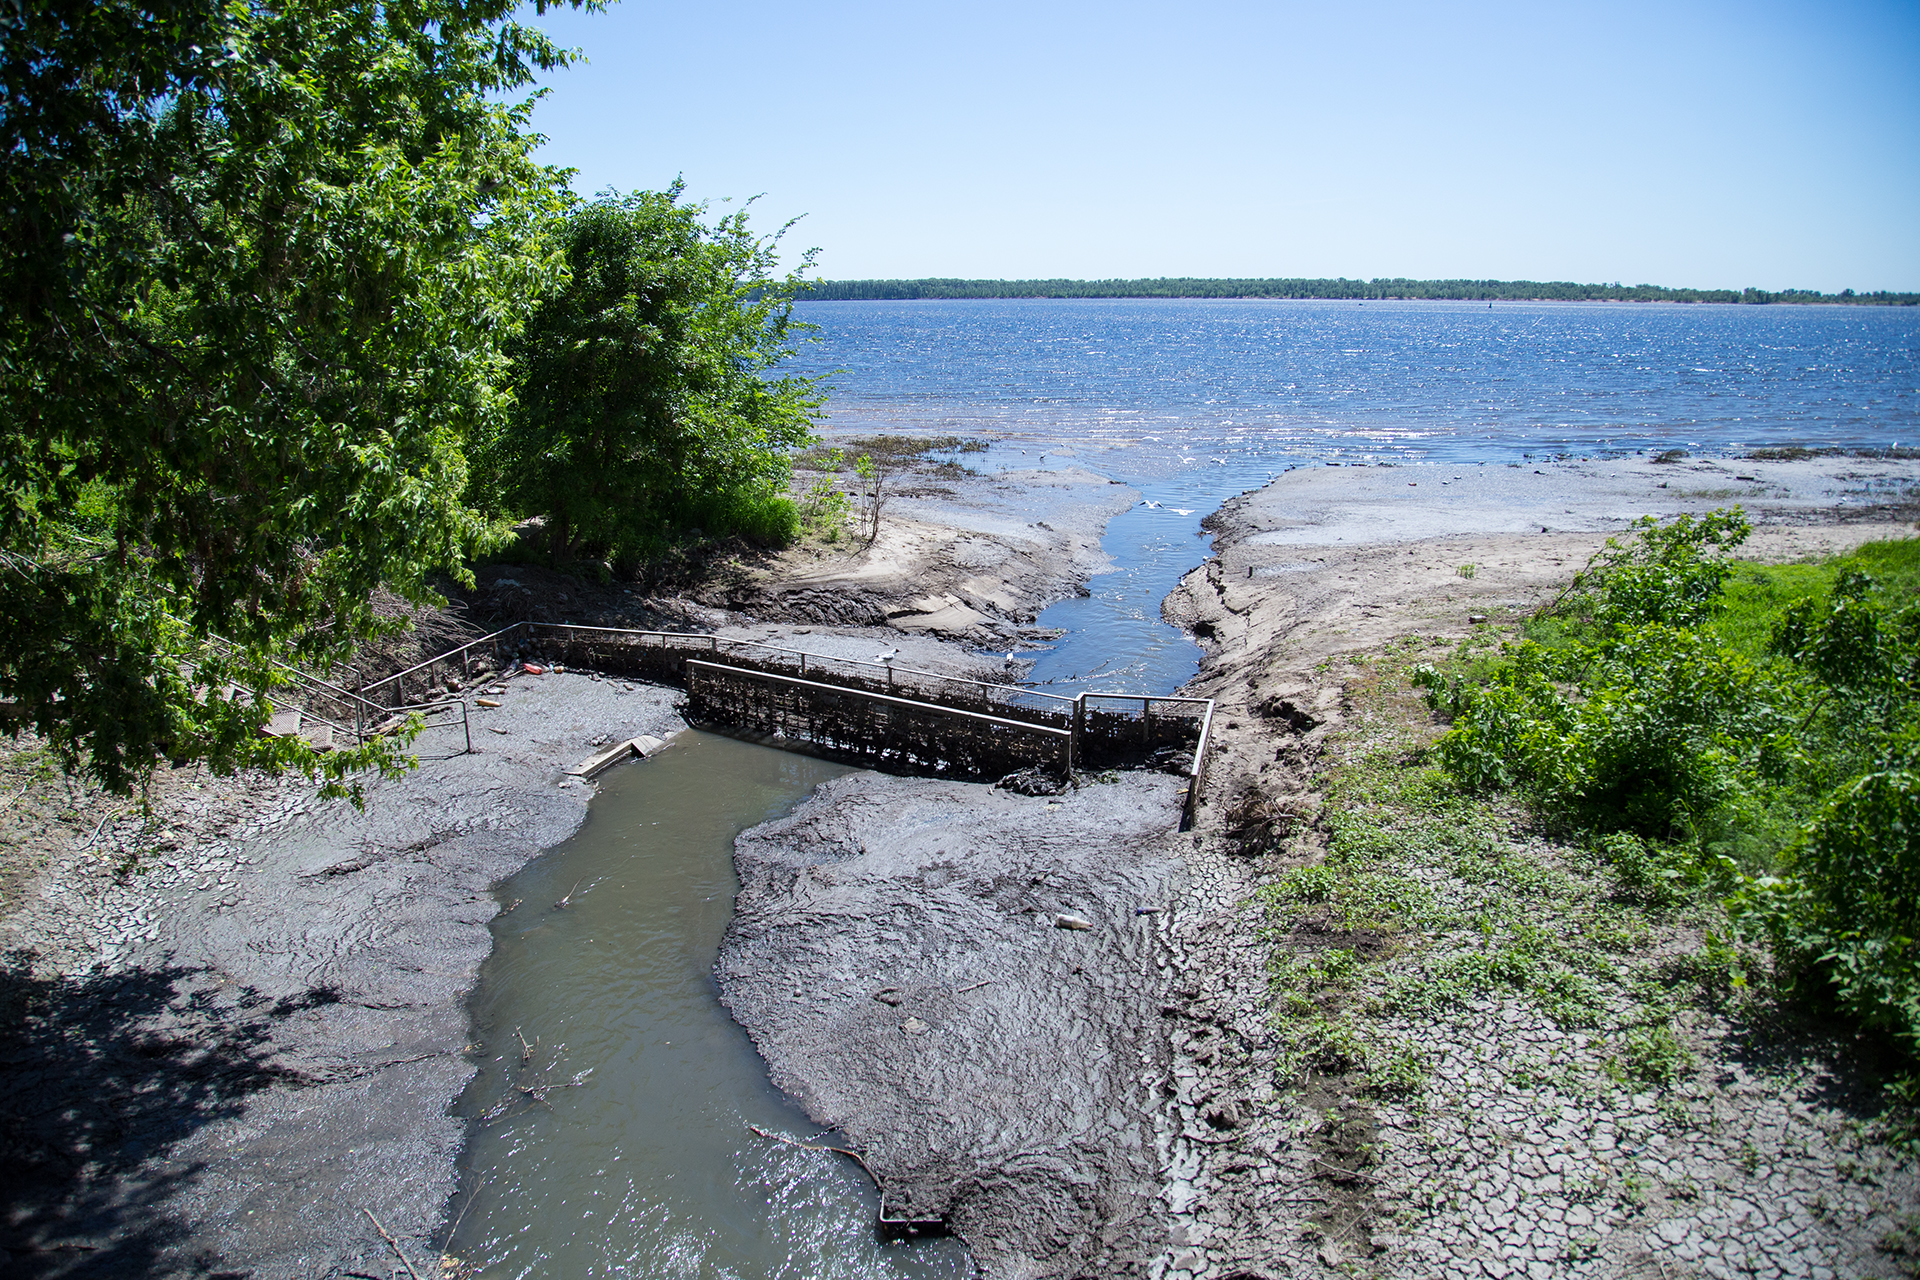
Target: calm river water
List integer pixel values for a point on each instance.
(646, 1168)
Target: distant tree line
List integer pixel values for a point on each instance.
(1363, 290)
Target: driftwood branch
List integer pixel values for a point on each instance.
(1206, 1140)
(855, 1156)
(471, 1197)
(1346, 1173)
(117, 813)
(385, 1235)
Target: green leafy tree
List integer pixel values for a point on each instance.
(646, 404)
(261, 261)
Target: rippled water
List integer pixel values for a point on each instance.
(1193, 401)
(647, 1168)
(1180, 383)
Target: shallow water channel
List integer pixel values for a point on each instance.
(646, 1166)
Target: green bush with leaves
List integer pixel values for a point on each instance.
(1775, 763)
(645, 403)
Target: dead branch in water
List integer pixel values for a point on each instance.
(398, 1251)
(530, 1082)
(855, 1156)
(471, 1197)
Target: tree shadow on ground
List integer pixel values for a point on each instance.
(1832, 1063)
(100, 1078)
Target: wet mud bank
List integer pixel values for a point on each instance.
(234, 1028)
(222, 1062)
(968, 984)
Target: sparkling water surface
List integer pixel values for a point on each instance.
(1195, 400)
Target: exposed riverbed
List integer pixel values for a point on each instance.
(229, 1058)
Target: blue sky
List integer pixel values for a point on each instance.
(1681, 143)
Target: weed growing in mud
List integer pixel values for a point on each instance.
(1435, 904)
(1651, 1055)
(1403, 1074)
(1321, 1045)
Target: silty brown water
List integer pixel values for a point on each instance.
(610, 1117)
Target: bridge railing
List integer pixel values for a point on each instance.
(856, 703)
(869, 727)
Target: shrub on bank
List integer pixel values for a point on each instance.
(1752, 730)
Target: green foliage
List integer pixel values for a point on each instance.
(1658, 875)
(1632, 717)
(826, 506)
(870, 481)
(1400, 1074)
(1372, 900)
(1653, 1054)
(1322, 1046)
(889, 450)
(644, 400)
(1846, 910)
(1767, 752)
(262, 262)
(1671, 574)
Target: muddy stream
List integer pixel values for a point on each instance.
(646, 1166)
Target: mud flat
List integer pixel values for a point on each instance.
(967, 984)
(219, 1062)
(234, 1029)
(972, 559)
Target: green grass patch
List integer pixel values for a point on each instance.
(1351, 900)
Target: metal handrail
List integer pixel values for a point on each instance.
(714, 642)
(1196, 777)
(1012, 690)
(885, 697)
(305, 714)
(352, 699)
(442, 657)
